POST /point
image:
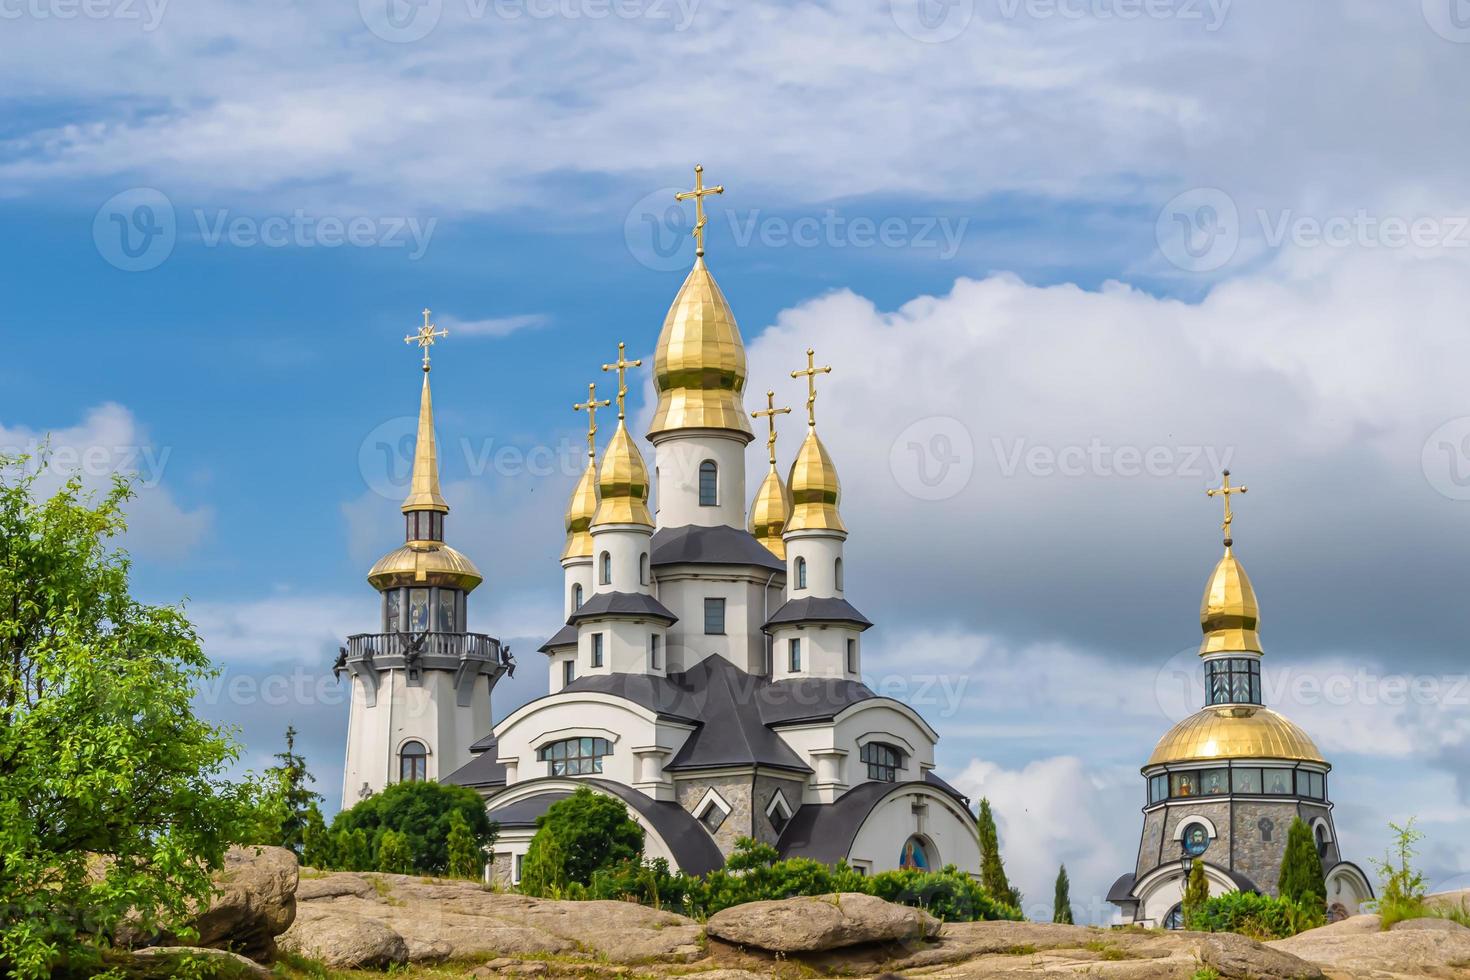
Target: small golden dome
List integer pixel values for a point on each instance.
(769, 513)
(699, 365)
(815, 489)
(1229, 613)
(425, 563)
(423, 486)
(580, 511)
(622, 483)
(1235, 732)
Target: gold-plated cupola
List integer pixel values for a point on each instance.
(815, 488)
(582, 507)
(771, 508)
(1229, 613)
(622, 480)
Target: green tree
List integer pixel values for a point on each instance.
(286, 800)
(466, 859)
(577, 836)
(112, 792)
(1301, 878)
(1196, 895)
(1061, 903)
(318, 846)
(394, 855)
(992, 867)
(422, 813)
(351, 850)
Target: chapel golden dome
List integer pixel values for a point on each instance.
(769, 513)
(423, 485)
(1235, 732)
(1229, 613)
(622, 483)
(815, 489)
(699, 365)
(425, 563)
(581, 509)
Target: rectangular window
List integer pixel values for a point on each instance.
(1183, 784)
(568, 671)
(520, 866)
(714, 616)
(448, 619)
(1215, 782)
(1309, 784)
(393, 598)
(852, 656)
(1158, 788)
(1245, 780)
(793, 656)
(1276, 782)
(1236, 680)
(655, 659)
(597, 649)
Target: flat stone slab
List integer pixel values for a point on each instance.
(814, 924)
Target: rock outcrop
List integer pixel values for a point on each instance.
(1358, 947)
(809, 925)
(343, 940)
(255, 902)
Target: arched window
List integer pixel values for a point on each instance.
(915, 854)
(577, 596)
(643, 569)
(574, 756)
(884, 761)
(801, 573)
(837, 574)
(709, 483)
(604, 565)
(413, 763)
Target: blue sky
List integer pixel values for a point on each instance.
(984, 234)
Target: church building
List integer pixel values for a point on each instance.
(709, 670)
(1224, 785)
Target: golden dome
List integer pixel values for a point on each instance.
(423, 486)
(1229, 613)
(769, 513)
(815, 489)
(1235, 732)
(580, 511)
(699, 366)
(425, 563)
(622, 483)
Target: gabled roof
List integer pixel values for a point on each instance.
(731, 733)
(813, 610)
(630, 604)
(480, 771)
(564, 637)
(719, 545)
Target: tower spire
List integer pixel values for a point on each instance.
(1229, 613)
(423, 485)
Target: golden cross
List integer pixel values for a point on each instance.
(621, 365)
(698, 194)
(1225, 490)
(425, 337)
(590, 406)
(811, 373)
(769, 413)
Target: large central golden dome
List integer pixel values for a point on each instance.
(1235, 732)
(699, 366)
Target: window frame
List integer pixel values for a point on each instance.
(418, 761)
(800, 572)
(713, 604)
(578, 596)
(711, 469)
(655, 651)
(604, 568)
(837, 574)
(585, 761)
(568, 671)
(852, 666)
(793, 655)
(598, 653)
(885, 761)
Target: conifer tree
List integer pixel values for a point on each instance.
(1061, 905)
(284, 807)
(992, 867)
(1301, 879)
(394, 855)
(1196, 894)
(466, 860)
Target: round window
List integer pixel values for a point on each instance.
(1196, 839)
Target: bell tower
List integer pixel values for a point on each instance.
(421, 682)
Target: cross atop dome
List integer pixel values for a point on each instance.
(698, 194)
(1225, 490)
(425, 337)
(811, 373)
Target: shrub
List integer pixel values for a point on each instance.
(423, 813)
(1196, 894)
(1403, 888)
(576, 837)
(394, 854)
(1259, 917)
(466, 859)
(1301, 878)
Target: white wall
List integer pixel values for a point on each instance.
(821, 551)
(949, 830)
(676, 467)
(683, 588)
(576, 572)
(833, 749)
(823, 651)
(626, 545)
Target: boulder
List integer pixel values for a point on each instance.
(334, 885)
(221, 962)
(1424, 951)
(1233, 955)
(343, 940)
(255, 901)
(812, 924)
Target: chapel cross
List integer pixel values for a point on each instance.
(425, 337)
(699, 193)
(769, 413)
(811, 373)
(1225, 490)
(621, 366)
(590, 406)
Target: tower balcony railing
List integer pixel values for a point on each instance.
(415, 646)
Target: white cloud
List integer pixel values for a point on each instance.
(496, 326)
(110, 442)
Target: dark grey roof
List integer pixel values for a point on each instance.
(622, 604)
(482, 770)
(651, 691)
(719, 545)
(812, 610)
(937, 783)
(810, 699)
(525, 813)
(825, 831)
(485, 744)
(731, 734)
(1122, 890)
(564, 637)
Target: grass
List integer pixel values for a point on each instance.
(1401, 911)
(1107, 950)
(1206, 973)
